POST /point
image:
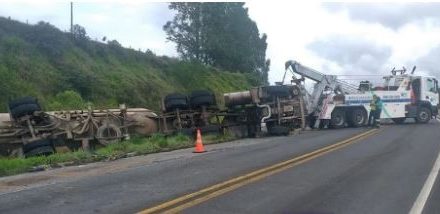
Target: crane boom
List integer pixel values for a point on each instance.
(324, 82)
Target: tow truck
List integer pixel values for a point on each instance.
(335, 103)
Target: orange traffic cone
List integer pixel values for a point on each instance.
(199, 145)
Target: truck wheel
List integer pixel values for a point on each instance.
(358, 117)
(40, 151)
(21, 101)
(24, 109)
(175, 101)
(423, 115)
(337, 119)
(202, 98)
(23, 106)
(278, 90)
(108, 133)
(278, 130)
(37, 148)
(399, 120)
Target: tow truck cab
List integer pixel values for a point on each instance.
(425, 95)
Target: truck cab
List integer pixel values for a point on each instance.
(425, 96)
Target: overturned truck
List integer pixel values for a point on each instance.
(27, 130)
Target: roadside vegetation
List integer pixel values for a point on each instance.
(70, 70)
(66, 72)
(134, 147)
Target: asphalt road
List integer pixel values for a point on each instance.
(382, 173)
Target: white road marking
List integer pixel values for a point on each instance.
(420, 202)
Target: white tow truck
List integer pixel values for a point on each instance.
(335, 103)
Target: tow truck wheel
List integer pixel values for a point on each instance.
(338, 119)
(358, 117)
(423, 115)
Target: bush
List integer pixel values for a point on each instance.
(67, 100)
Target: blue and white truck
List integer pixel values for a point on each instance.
(337, 104)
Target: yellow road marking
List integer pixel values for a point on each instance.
(192, 199)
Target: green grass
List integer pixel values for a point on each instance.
(67, 74)
(64, 73)
(135, 146)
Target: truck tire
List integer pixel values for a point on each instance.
(175, 101)
(338, 119)
(278, 90)
(278, 130)
(423, 115)
(21, 101)
(24, 109)
(40, 147)
(399, 120)
(202, 98)
(40, 151)
(108, 133)
(39, 143)
(358, 117)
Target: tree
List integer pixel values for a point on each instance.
(79, 32)
(114, 43)
(219, 34)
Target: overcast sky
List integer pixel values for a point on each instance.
(336, 38)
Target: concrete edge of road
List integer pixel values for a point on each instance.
(183, 202)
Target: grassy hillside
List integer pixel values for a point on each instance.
(63, 72)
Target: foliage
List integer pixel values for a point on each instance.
(42, 61)
(79, 32)
(219, 34)
(137, 146)
(67, 99)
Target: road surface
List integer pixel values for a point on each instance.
(353, 170)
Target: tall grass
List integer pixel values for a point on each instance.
(135, 146)
(62, 72)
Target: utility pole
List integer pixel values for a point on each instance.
(71, 17)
